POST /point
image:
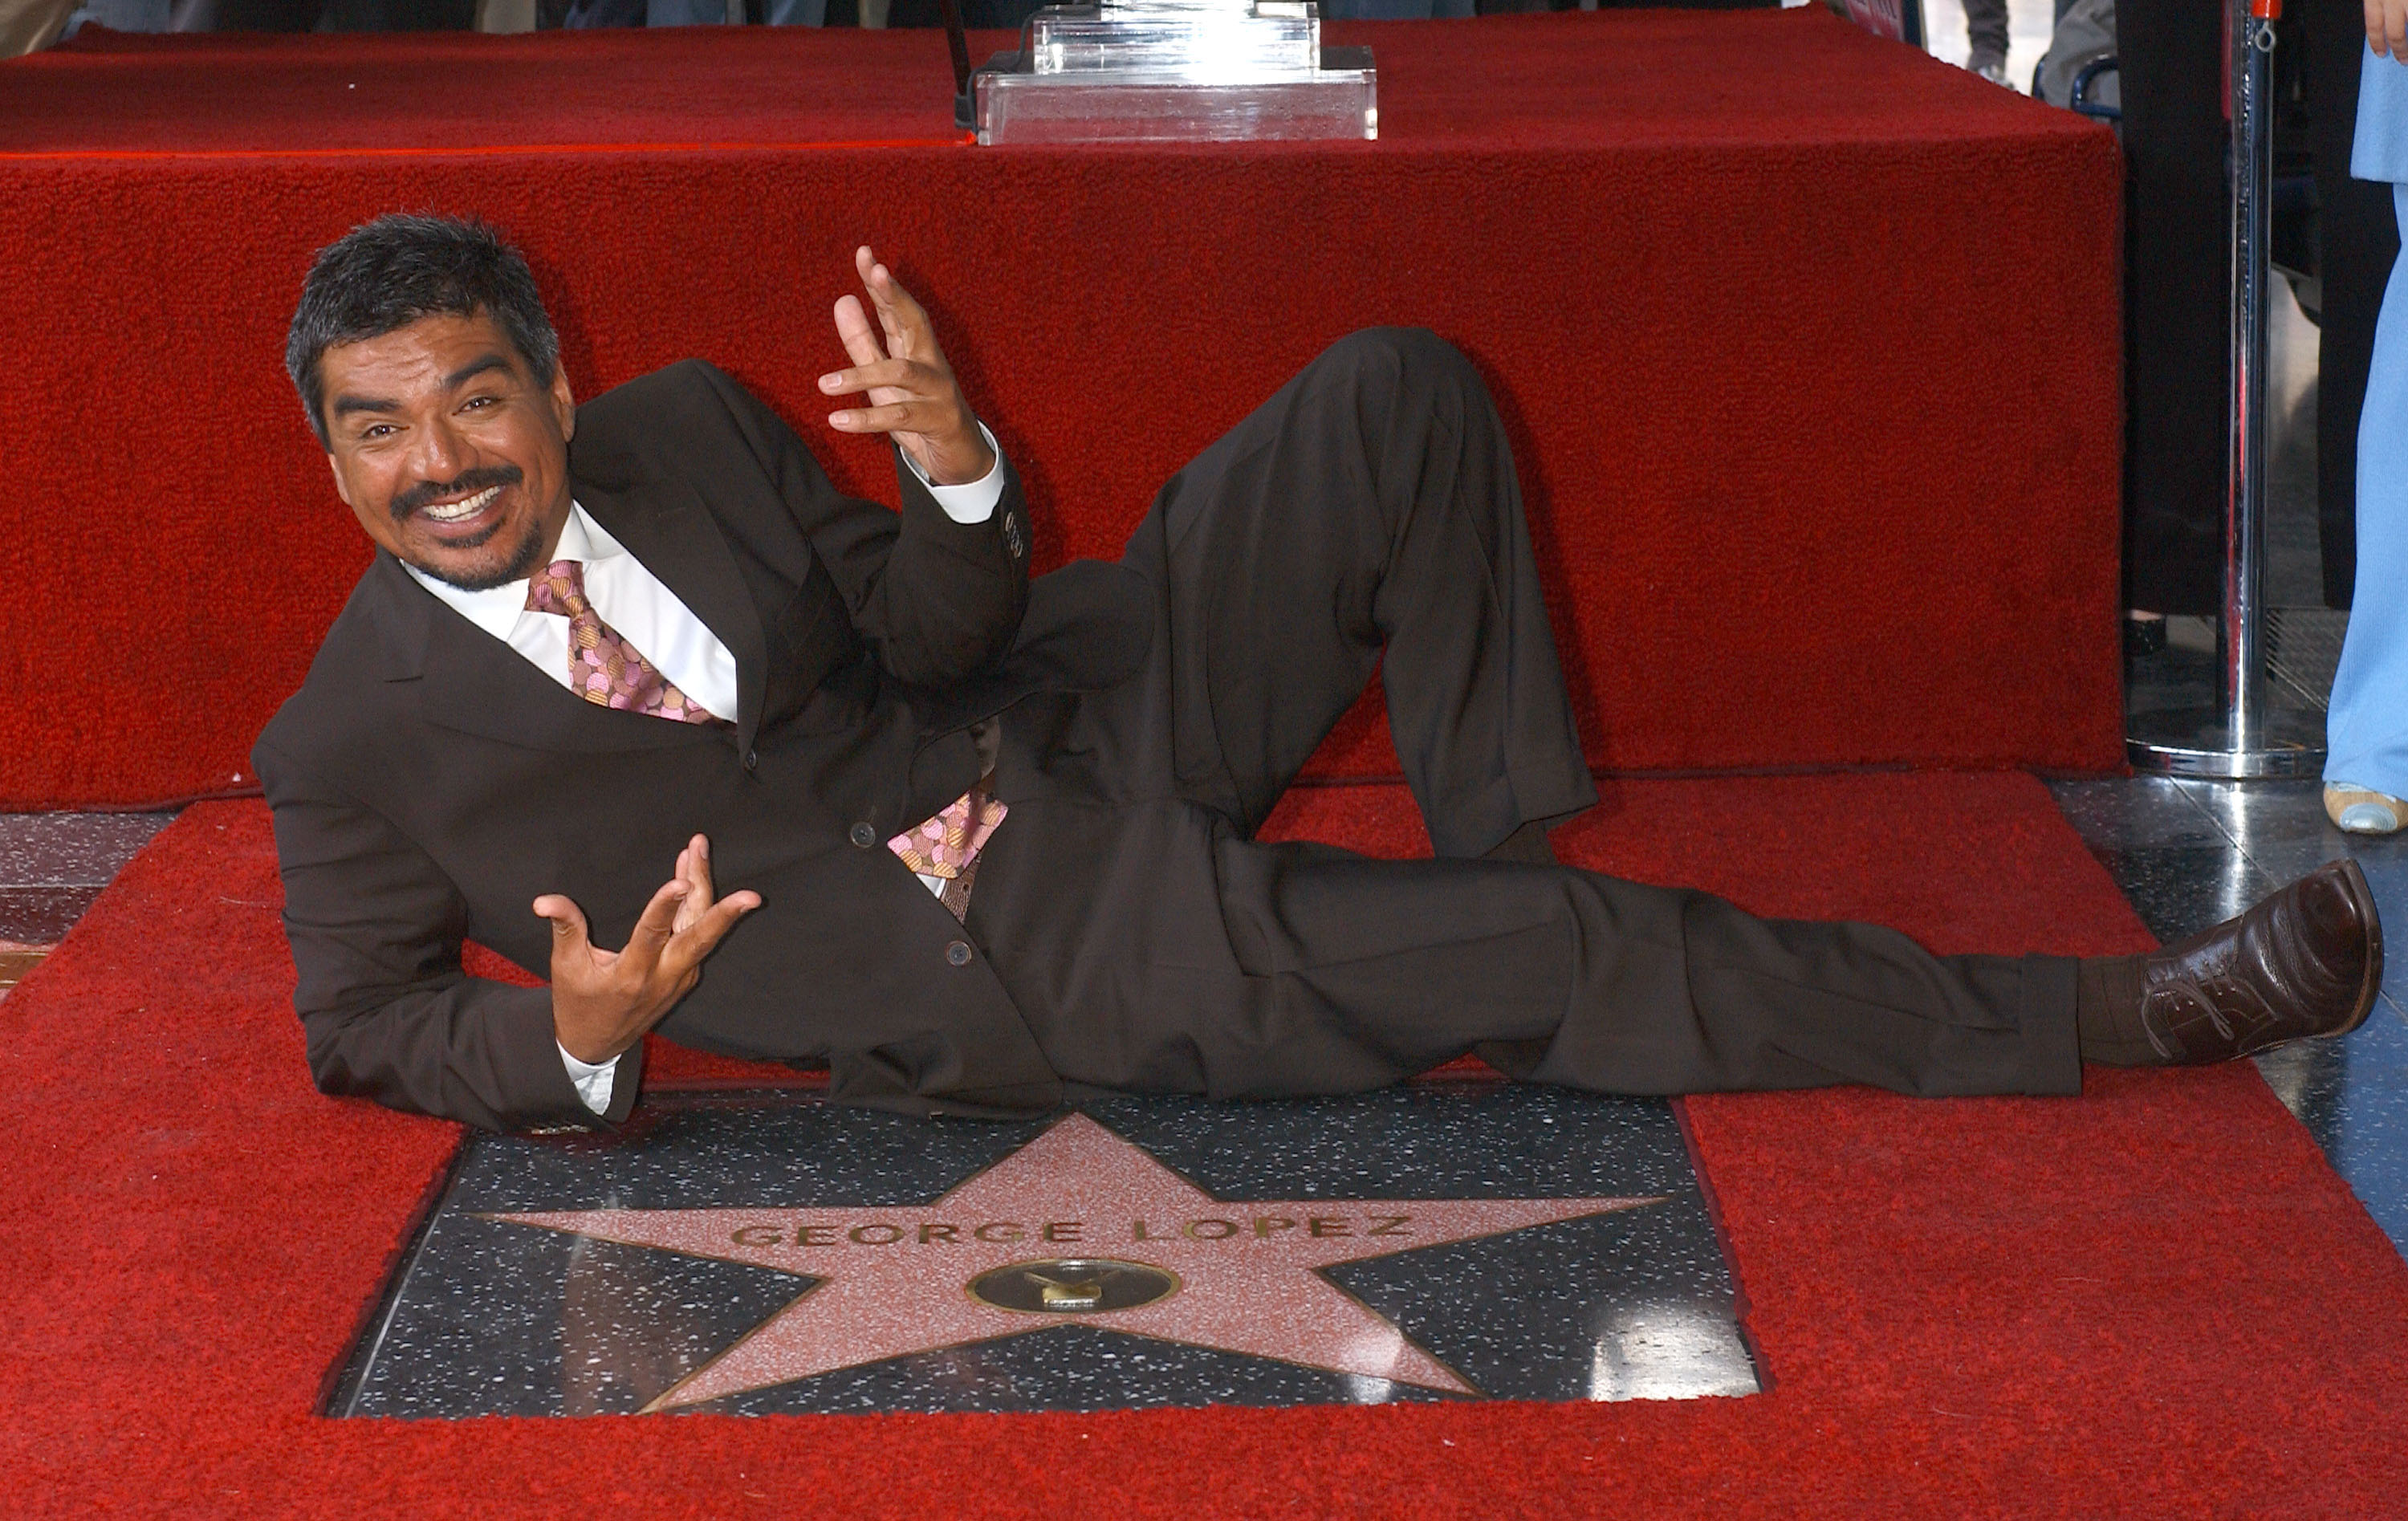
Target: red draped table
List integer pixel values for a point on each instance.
(1809, 345)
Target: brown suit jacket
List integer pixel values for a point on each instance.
(428, 784)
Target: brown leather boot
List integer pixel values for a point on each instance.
(2306, 961)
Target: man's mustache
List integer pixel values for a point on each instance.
(411, 499)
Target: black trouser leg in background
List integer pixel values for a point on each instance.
(1986, 28)
(2177, 285)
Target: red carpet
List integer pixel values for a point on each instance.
(2153, 1300)
(1808, 344)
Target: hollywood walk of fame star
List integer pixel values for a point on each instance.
(1097, 1220)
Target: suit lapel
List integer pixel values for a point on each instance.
(669, 530)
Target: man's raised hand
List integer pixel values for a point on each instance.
(603, 1001)
(912, 393)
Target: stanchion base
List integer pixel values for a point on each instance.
(2197, 741)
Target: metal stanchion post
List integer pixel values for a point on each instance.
(2244, 736)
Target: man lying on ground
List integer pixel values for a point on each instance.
(991, 839)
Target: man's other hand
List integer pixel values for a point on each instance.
(912, 393)
(603, 1001)
(2386, 27)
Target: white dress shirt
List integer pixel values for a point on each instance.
(648, 615)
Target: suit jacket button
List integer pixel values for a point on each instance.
(958, 953)
(864, 836)
(751, 760)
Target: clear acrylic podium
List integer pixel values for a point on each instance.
(1176, 71)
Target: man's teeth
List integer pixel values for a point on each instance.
(455, 511)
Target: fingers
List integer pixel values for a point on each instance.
(901, 310)
(681, 925)
(568, 931)
(894, 417)
(693, 869)
(905, 395)
(905, 324)
(702, 918)
(854, 329)
(903, 375)
(698, 939)
(573, 955)
(2386, 27)
(655, 927)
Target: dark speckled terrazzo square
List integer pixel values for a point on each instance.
(52, 866)
(71, 850)
(1246, 1271)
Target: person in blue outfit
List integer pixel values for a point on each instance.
(2366, 766)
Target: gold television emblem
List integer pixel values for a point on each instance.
(1073, 1285)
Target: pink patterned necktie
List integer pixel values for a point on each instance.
(946, 846)
(605, 668)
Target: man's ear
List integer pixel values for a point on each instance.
(563, 404)
(341, 488)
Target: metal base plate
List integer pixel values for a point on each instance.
(2198, 741)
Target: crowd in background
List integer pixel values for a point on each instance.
(26, 26)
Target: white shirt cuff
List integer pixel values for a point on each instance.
(973, 502)
(593, 1082)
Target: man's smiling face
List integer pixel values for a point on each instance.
(451, 454)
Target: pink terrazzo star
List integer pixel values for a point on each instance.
(895, 1281)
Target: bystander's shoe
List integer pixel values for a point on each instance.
(2306, 961)
(2144, 636)
(2363, 810)
(1992, 69)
